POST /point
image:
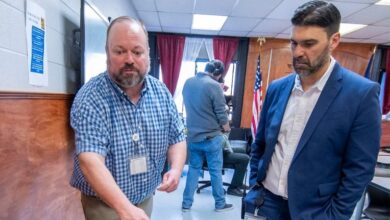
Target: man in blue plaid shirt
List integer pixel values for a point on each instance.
(126, 126)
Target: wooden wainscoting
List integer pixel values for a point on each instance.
(36, 146)
(385, 140)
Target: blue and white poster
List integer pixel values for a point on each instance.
(36, 44)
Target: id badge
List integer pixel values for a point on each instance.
(138, 165)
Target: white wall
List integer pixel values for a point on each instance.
(116, 8)
(62, 16)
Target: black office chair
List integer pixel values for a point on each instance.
(379, 197)
(240, 140)
(207, 183)
(379, 204)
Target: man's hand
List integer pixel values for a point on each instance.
(226, 127)
(170, 181)
(101, 180)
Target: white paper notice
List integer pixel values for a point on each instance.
(36, 44)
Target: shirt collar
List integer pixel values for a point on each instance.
(320, 84)
(202, 74)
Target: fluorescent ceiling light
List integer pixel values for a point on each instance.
(208, 22)
(383, 2)
(346, 28)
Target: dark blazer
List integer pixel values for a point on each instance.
(336, 155)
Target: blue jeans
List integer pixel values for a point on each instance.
(211, 150)
(273, 206)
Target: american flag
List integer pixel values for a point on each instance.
(257, 100)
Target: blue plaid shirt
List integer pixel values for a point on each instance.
(104, 121)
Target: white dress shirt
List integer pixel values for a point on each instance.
(299, 108)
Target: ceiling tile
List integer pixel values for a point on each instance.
(272, 25)
(204, 32)
(233, 33)
(283, 36)
(349, 40)
(154, 29)
(368, 32)
(382, 37)
(348, 8)
(286, 9)
(240, 24)
(251, 17)
(144, 5)
(176, 30)
(261, 34)
(385, 23)
(214, 7)
(175, 20)
(254, 8)
(356, 1)
(376, 41)
(149, 18)
(369, 15)
(178, 6)
(287, 30)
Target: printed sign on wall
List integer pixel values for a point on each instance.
(36, 44)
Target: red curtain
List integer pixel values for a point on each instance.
(386, 98)
(170, 51)
(224, 50)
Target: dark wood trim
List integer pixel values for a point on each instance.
(31, 95)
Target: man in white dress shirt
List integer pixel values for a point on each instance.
(319, 132)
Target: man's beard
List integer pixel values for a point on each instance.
(128, 81)
(310, 68)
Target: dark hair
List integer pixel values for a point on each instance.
(126, 18)
(318, 13)
(215, 67)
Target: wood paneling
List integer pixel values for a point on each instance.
(385, 141)
(351, 55)
(354, 56)
(36, 157)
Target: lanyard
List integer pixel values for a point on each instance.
(135, 133)
(134, 130)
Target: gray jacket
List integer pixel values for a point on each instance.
(205, 107)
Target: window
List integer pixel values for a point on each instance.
(188, 70)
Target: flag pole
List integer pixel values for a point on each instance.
(269, 68)
(261, 41)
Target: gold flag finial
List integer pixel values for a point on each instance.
(261, 41)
